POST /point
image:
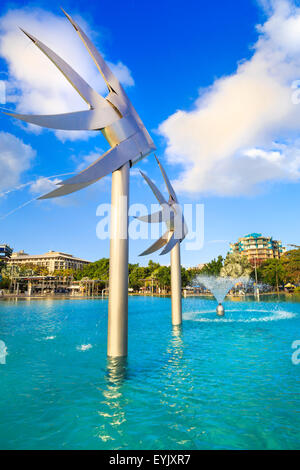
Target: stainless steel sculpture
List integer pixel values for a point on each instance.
(171, 214)
(120, 124)
(220, 310)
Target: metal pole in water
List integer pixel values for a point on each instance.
(117, 334)
(176, 285)
(118, 121)
(172, 215)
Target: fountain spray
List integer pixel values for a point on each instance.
(219, 286)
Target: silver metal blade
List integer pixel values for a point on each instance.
(111, 81)
(154, 218)
(107, 163)
(167, 181)
(157, 245)
(171, 243)
(93, 119)
(154, 188)
(64, 190)
(81, 86)
(110, 161)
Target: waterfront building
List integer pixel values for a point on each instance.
(53, 260)
(5, 252)
(258, 248)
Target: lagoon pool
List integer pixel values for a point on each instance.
(224, 383)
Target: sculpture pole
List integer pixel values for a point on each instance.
(122, 127)
(176, 285)
(117, 332)
(172, 215)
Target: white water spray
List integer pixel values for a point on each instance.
(219, 287)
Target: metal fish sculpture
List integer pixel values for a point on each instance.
(170, 213)
(122, 127)
(113, 115)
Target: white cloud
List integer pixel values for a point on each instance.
(15, 158)
(136, 172)
(243, 129)
(88, 159)
(44, 185)
(35, 84)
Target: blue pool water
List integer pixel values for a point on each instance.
(218, 384)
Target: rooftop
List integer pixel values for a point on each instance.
(253, 235)
(50, 254)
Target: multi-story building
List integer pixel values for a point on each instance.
(258, 248)
(5, 252)
(53, 260)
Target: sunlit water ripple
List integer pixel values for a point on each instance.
(219, 383)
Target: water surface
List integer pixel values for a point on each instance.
(224, 383)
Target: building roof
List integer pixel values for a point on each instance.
(253, 235)
(20, 255)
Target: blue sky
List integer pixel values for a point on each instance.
(187, 69)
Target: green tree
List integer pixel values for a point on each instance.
(214, 267)
(10, 271)
(291, 263)
(272, 272)
(30, 269)
(163, 276)
(65, 273)
(136, 277)
(4, 283)
(97, 270)
(186, 276)
(152, 266)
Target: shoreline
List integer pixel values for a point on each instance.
(130, 294)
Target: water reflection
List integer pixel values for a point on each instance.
(177, 390)
(112, 406)
(175, 346)
(116, 371)
(177, 330)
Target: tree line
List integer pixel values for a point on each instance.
(274, 272)
(137, 275)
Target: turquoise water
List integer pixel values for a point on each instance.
(217, 384)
